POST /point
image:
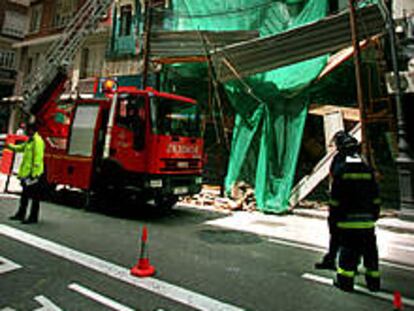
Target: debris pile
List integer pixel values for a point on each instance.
(241, 198)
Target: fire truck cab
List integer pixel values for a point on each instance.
(143, 141)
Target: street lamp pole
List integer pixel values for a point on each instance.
(147, 35)
(404, 161)
(358, 79)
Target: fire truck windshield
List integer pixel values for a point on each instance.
(173, 117)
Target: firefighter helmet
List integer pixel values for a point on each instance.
(345, 143)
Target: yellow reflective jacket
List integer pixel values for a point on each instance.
(33, 152)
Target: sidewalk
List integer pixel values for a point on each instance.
(309, 228)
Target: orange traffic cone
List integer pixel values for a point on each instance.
(397, 301)
(143, 268)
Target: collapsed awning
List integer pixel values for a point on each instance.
(324, 36)
(193, 46)
(335, 60)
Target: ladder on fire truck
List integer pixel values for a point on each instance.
(61, 53)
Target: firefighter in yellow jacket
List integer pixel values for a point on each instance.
(30, 174)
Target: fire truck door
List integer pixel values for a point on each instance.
(82, 145)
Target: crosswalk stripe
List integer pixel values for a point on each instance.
(47, 304)
(7, 265)
(99, 298)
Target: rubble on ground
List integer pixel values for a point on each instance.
(316, 204)
(241, 198)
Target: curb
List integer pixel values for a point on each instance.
(386, 222)
(8, 196)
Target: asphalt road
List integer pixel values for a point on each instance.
(79, 260)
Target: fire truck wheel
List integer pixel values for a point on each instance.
(87, 201)
(49, 192)
(107, 198)
(165, 203)
(108, 186)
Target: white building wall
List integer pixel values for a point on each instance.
(403, 8)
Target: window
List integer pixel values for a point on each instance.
(33, 62)
(173, 117)
(84, 63)
(131, 115)
(35, 18)
(7, 59)
(92, 61)
(125, 20)
(131, 111)
(64, 11)
(29, 65)
(14, 24)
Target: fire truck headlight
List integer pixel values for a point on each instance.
(199, 180)
(156, 183)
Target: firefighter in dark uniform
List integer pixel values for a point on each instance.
(329, 260)
(355, 207)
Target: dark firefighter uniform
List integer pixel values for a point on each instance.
(329, 260)
(354, 209)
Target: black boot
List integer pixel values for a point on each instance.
(344, 283)
(21, 212)
(30, 220)
(327, 263)
(16, 217)
(34, 213)
(373, 283)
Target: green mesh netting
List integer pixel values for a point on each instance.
(270, 117)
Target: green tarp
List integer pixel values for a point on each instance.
(269, 125)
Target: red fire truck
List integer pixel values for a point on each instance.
(143, 141)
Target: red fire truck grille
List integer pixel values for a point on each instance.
(180, 164)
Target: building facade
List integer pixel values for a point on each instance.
(13, 25)
(47, 21)
(110, 50)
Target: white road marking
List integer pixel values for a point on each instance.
(381, 295)
(170, 291)
(7, 265)
(112, 304)
(318, 278)
(47, 304)
(323, 250)
(298, 245)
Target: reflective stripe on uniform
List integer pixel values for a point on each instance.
(356, 225)
(348, 274)
(377, 201)
(373, 273)
(333, 202)
(357, 176)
